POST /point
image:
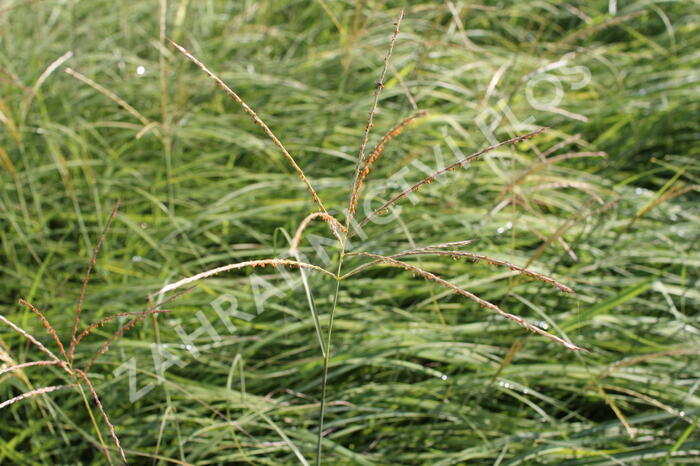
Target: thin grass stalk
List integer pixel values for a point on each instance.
(451, 244)
(160, 434)
(43, 77)
(514, 349)
(559, 232)
(46, 323)
(561, 144)
(105, 346)
(211, 408)
(38, 391)
(334, 225)
(675, 191)
(326, 358)
(163, 76)
(481, 302)
(539, 215)
(294, 251)
(168, 399)
(642, 358)
(240, 265)
(166, 139)
(545, 163)
(96, 426)
(426, 249)
(111, 96)
(429, 179)
(104, 414)
(648, 399)
(580, 186)
(312, 304)
(404, 87)
(170, 299)
(103, 349)
(477, 258)
(86, 280)
(106, 320)
(29, 364)
(257, 120)
(26, 335)
(569, 156)
(468, 44)
(285, 438)
(618, 413)
(370, 119)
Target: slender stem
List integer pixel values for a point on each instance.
(94, 423)
(327, 355)
(168, 399)
(166, 138)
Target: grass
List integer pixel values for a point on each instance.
(605, 201)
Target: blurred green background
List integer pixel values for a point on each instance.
(606, 201)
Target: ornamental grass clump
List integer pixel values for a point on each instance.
(342, 229)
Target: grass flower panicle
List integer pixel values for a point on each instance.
(342, 233)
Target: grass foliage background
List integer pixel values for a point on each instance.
(418, 376)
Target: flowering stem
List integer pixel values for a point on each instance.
(327, 355)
